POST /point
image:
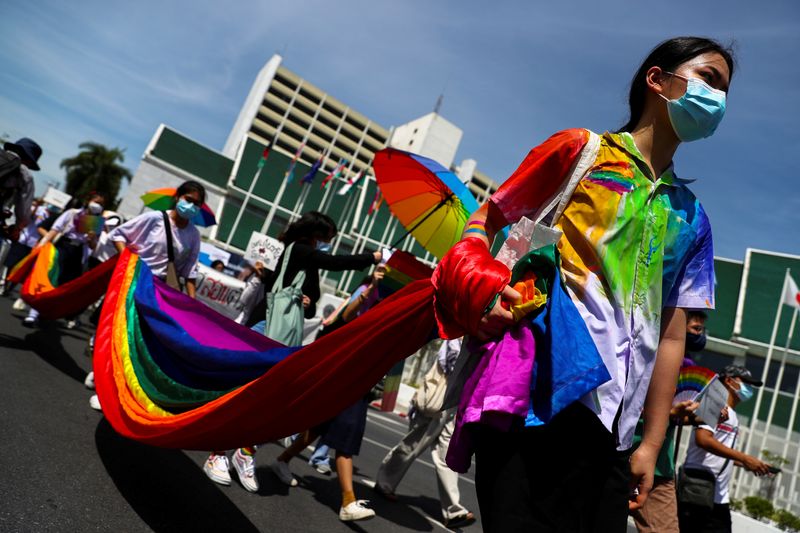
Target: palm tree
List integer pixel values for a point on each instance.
(96, 168)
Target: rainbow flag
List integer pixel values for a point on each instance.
(691, 381)
(171, 372)
(86, 223)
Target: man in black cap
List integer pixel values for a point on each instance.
(712, 449)
(16, 182)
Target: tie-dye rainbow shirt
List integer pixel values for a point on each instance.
(631, 246)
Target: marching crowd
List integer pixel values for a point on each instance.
(576, 439)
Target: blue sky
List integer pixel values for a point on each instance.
(512, 74)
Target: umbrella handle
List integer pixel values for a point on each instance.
(426, 217)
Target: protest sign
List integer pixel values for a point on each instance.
(265, 249)
(221, 292)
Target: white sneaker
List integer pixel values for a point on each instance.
(287, 441)
(72, 324)
(94, 403)
(323, 468)
(281, 469)
(89, 381)
(217, 469)
(19, 305)
(30, 322)
(245, 466)
(356, 510)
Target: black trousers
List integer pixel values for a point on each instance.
(694, 519)
(564, 476)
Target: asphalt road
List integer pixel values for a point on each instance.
(65, 469)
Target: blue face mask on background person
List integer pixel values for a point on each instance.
(697, 113)
(745, 392)
(186, 209)
(324, 246)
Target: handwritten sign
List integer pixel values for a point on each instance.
(265, 249)
(57, 198)
(221, 292)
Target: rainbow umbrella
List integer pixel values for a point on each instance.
(429, 200)
(161, 200)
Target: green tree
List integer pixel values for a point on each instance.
(96, 168)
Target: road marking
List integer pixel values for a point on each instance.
(371, 484)
(387, 419)
(422, 461)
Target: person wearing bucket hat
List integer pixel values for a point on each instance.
(712, 448)
(16, 181)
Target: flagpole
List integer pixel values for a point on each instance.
(282, 189)
(339, 234)
(245, 200)
(765, 372)
(779, 380)
(792, 416)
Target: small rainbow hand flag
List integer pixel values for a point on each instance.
(691, 381)
(87, 223)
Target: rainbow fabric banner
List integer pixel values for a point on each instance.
(38, 272)
(171, 372)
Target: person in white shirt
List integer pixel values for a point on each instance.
(712, 449)
(73, 244)
(147, 236)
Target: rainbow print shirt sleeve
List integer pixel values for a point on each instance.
(632, 244)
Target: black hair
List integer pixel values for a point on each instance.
(191, 186)
(312, 225)
(668, 55)
(216, 262)
(96, 194)
(702, 315)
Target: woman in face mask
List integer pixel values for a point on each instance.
(308, 240)
(146, 235)
(74, 244)
(635, 255)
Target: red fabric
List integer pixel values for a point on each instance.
(465, 281)
(21, 270)
(74, 296)
(539, 176)
(309, 387)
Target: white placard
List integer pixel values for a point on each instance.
(221, 292)
(57, 198)
(265, 249)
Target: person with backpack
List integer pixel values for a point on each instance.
(16, 184)
(291, 293)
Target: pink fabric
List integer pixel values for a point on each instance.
(498, 390)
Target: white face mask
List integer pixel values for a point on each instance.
(95, 208)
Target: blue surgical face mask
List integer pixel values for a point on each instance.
(324, 246)
(697, 113)
(745, 392)
(694, 342)
(186, 209)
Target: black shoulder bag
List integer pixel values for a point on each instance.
(696, 485)
(172, 274)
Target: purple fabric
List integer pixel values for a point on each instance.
(206, 325)
(498, 390)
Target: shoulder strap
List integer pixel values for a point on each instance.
(287, 252)
(579, 167)
(168, 231)
(728, 460)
